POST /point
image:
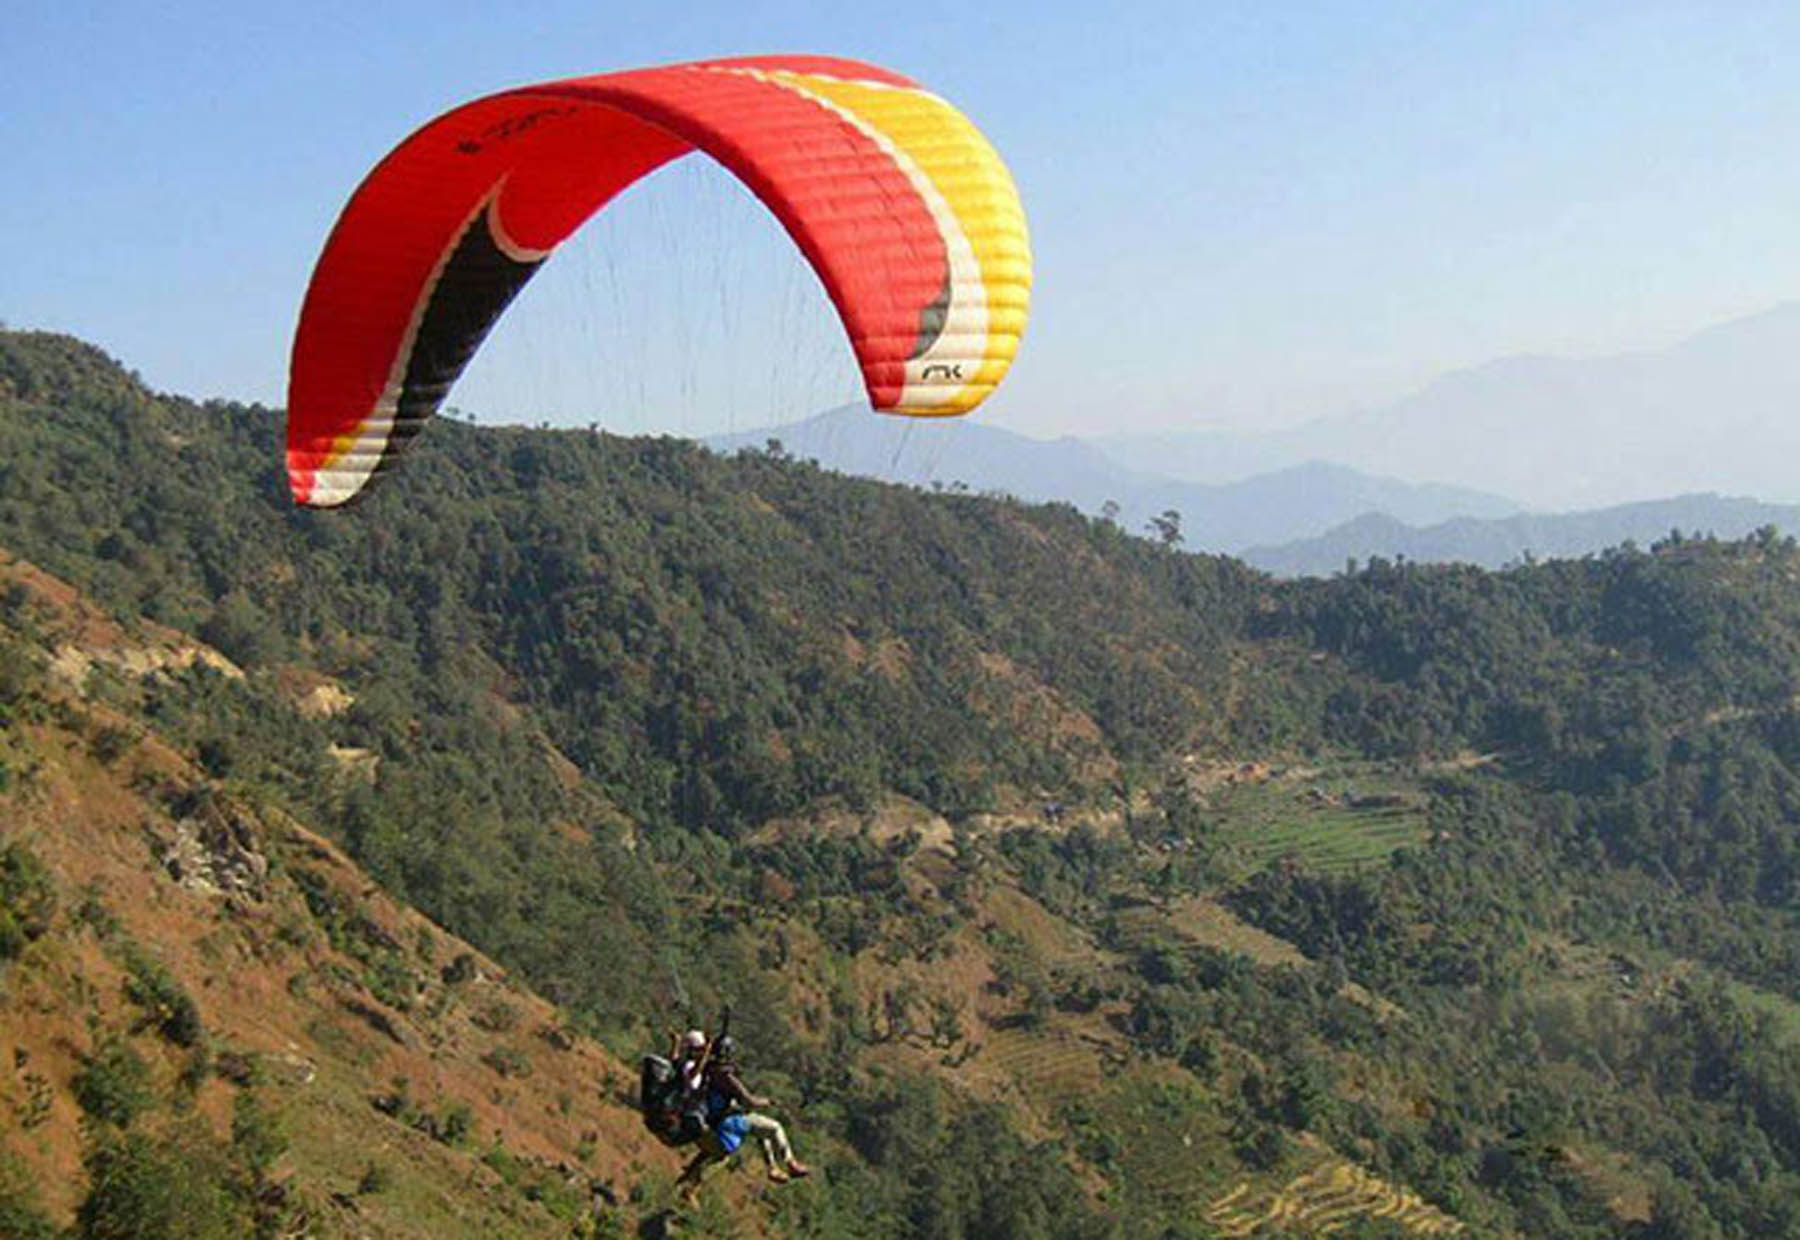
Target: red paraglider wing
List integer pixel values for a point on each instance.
(903, 209)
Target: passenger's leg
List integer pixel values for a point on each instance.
(776, 1150)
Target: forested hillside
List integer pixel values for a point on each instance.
(1063, 884)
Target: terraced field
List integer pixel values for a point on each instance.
(1323, 1200)
(1196, 919)
(1051, 1070)
(1331, 821)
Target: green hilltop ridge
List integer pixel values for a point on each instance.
(1062, 884)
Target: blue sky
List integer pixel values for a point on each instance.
(1242, 213)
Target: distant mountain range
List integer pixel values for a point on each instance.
(1715, 412)
(1494, 543)
(1294, 502)
(1595, 445)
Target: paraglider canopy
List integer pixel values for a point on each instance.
(898, 203)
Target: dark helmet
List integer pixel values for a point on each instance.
(725, 1049)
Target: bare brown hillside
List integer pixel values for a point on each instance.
(423, 1092)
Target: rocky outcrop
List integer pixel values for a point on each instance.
(216, 852)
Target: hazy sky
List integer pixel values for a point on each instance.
(1242, 213)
